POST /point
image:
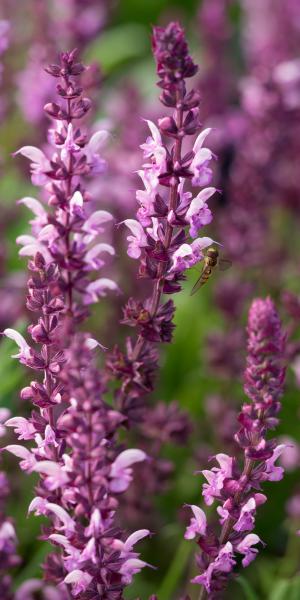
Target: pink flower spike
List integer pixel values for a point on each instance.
(121, 472)
(79, 580)
(197, 524)
(22, 427)
(25, 350)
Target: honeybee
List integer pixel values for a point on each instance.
(211, 260)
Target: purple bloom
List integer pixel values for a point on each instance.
(197, 525)
(200, 163)
(235, 485)
(198, 213)
(246, 520)
(216, 478)
(25, 351)
(188, 255)
(137, 240)
(121, 471)
(245, 547)
(130, 567)
(73, 449)
(224, 563)
(79, 581)
(159, 237)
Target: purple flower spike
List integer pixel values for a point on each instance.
(234, 484)
(72, 433)
(167, 218)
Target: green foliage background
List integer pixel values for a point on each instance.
(124, 49)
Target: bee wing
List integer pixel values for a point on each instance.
(199, 283)
(224, 264)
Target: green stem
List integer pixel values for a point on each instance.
(172, 579)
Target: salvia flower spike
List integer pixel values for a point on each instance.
(237, 488)
(167, 215)
(82, 470)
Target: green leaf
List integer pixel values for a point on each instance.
(280, 591)
(247, 588)
(33, 567)
(171, 581)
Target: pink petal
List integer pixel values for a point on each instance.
(200, 139)
(18, 338)
(34, 154)
(97, 141)
(126, 459)
(34, 205)
(134, 538)
(18, 451)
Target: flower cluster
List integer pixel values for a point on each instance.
(238, 489)
(72, 432)
(96, 559)
(167, 215)
(68, 233)
(81, 470)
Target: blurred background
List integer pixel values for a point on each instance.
(249, 78)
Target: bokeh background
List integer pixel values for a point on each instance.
(249, 78)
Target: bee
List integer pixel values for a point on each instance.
(211, 260)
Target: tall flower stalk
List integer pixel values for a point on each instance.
(67, 233)
(237, 485)
(159, 237)
(82, 469)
